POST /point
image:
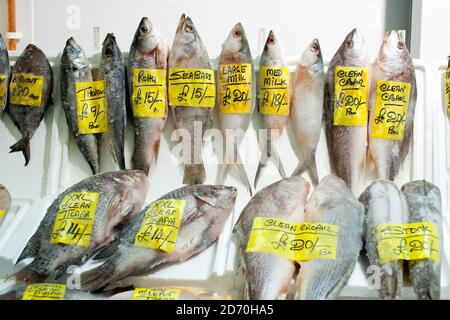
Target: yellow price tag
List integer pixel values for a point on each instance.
(350, 107)
(390, 110)
(149, 93)
(412, 241)
(447, 89)
(192, 87)
(91, 107)
(159, 230)
(44, 291)
(220, 298)
(2, 214)
(156, 294)
(3, 90)
(293, 241)
(26, 89)
(75, 218)
(235, 82)
(274, 90)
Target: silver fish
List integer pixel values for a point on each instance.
(393, 63)
(188, 51)
(112, 70)
(332, 202)
(267, 275)
(75, 68)
(384, 204)
(26, 118)
(5, 72)
(5, 201)
(121, 197)
(306, 112)
(346, 144)
(149, 51)
(425, 205)
(205, 213)
(235, 50)
(272, 56)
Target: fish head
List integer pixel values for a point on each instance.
(74, 56)
(354, 47)
(186, 32)
(237, 42)
(110, 48)
(393, 51)
(147, 35)
(312, 56)
(273, 53)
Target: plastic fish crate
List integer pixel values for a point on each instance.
(56, 163)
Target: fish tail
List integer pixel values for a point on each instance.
(144, 159)
(22, 145)
(99, 277)
(28, 275)
(224, 170)
(310, 167)
(194, 174)
(261, 165)
(275, 158)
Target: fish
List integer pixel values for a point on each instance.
(148, 50)
(5, 202)
(332, 202)
(268, 276)
(235, 50)
(5, 71)
(306, 113)
(16, 292)
(26, 118)
(394, 63)
(121, 197)
(186, 293)
(347, 145)
(384, 204)
(112, 70)
(205, 212)
(425, 205)
(188, 51)
(75, 68)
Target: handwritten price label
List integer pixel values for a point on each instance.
(159, 230)
(75, 219)
(274, 90)
(44, 291)
(447, 89)
(350, 107)
(390, 110)
(2, 214)
(3, 91)
(156, 294)
(26, 89)
(413, 241)
(192, 87)
(235, 82)
(91, 107)
(293, 241)
(149, 93)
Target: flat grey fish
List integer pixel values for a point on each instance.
(235, 50)
(332, 202)
(306, 111)
(148, 51)
(347, 145)
(384, 204)
(112, 70)
(121, 195)
(188, 51)
(204, 215)
(5, 202)
(272, 56)
(425, 205)
(75, 68)
(27, 118)
(394, 63)
(5, 71)
(268, 276)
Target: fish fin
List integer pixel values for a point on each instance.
(28, 275)
(98, 277)
(194, 174)
(265, 157)
(261, 165)
(31, 249)
(156, 148)
(22, 145)
(311, 167)
(224, 170)
(103, 252)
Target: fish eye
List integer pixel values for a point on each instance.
(271, 40)
(349, 44)
(400, 45)
(144, 29)
(237, 33)
(314, 47)
(188, 29)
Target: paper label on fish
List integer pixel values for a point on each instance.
(75, 218)
(293, 241)
(235, 83)
(156, 294)
(91, 107)
(3, 90)
(351, 86)
(192, 87)
(390, 110)
(26, 89)
(159, 230)
(149, 93)
(447, 89)
(412, 241)
(44, 291)
(2, 214)
(274, 90)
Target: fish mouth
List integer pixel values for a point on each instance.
(181, 22)
(143, 25)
